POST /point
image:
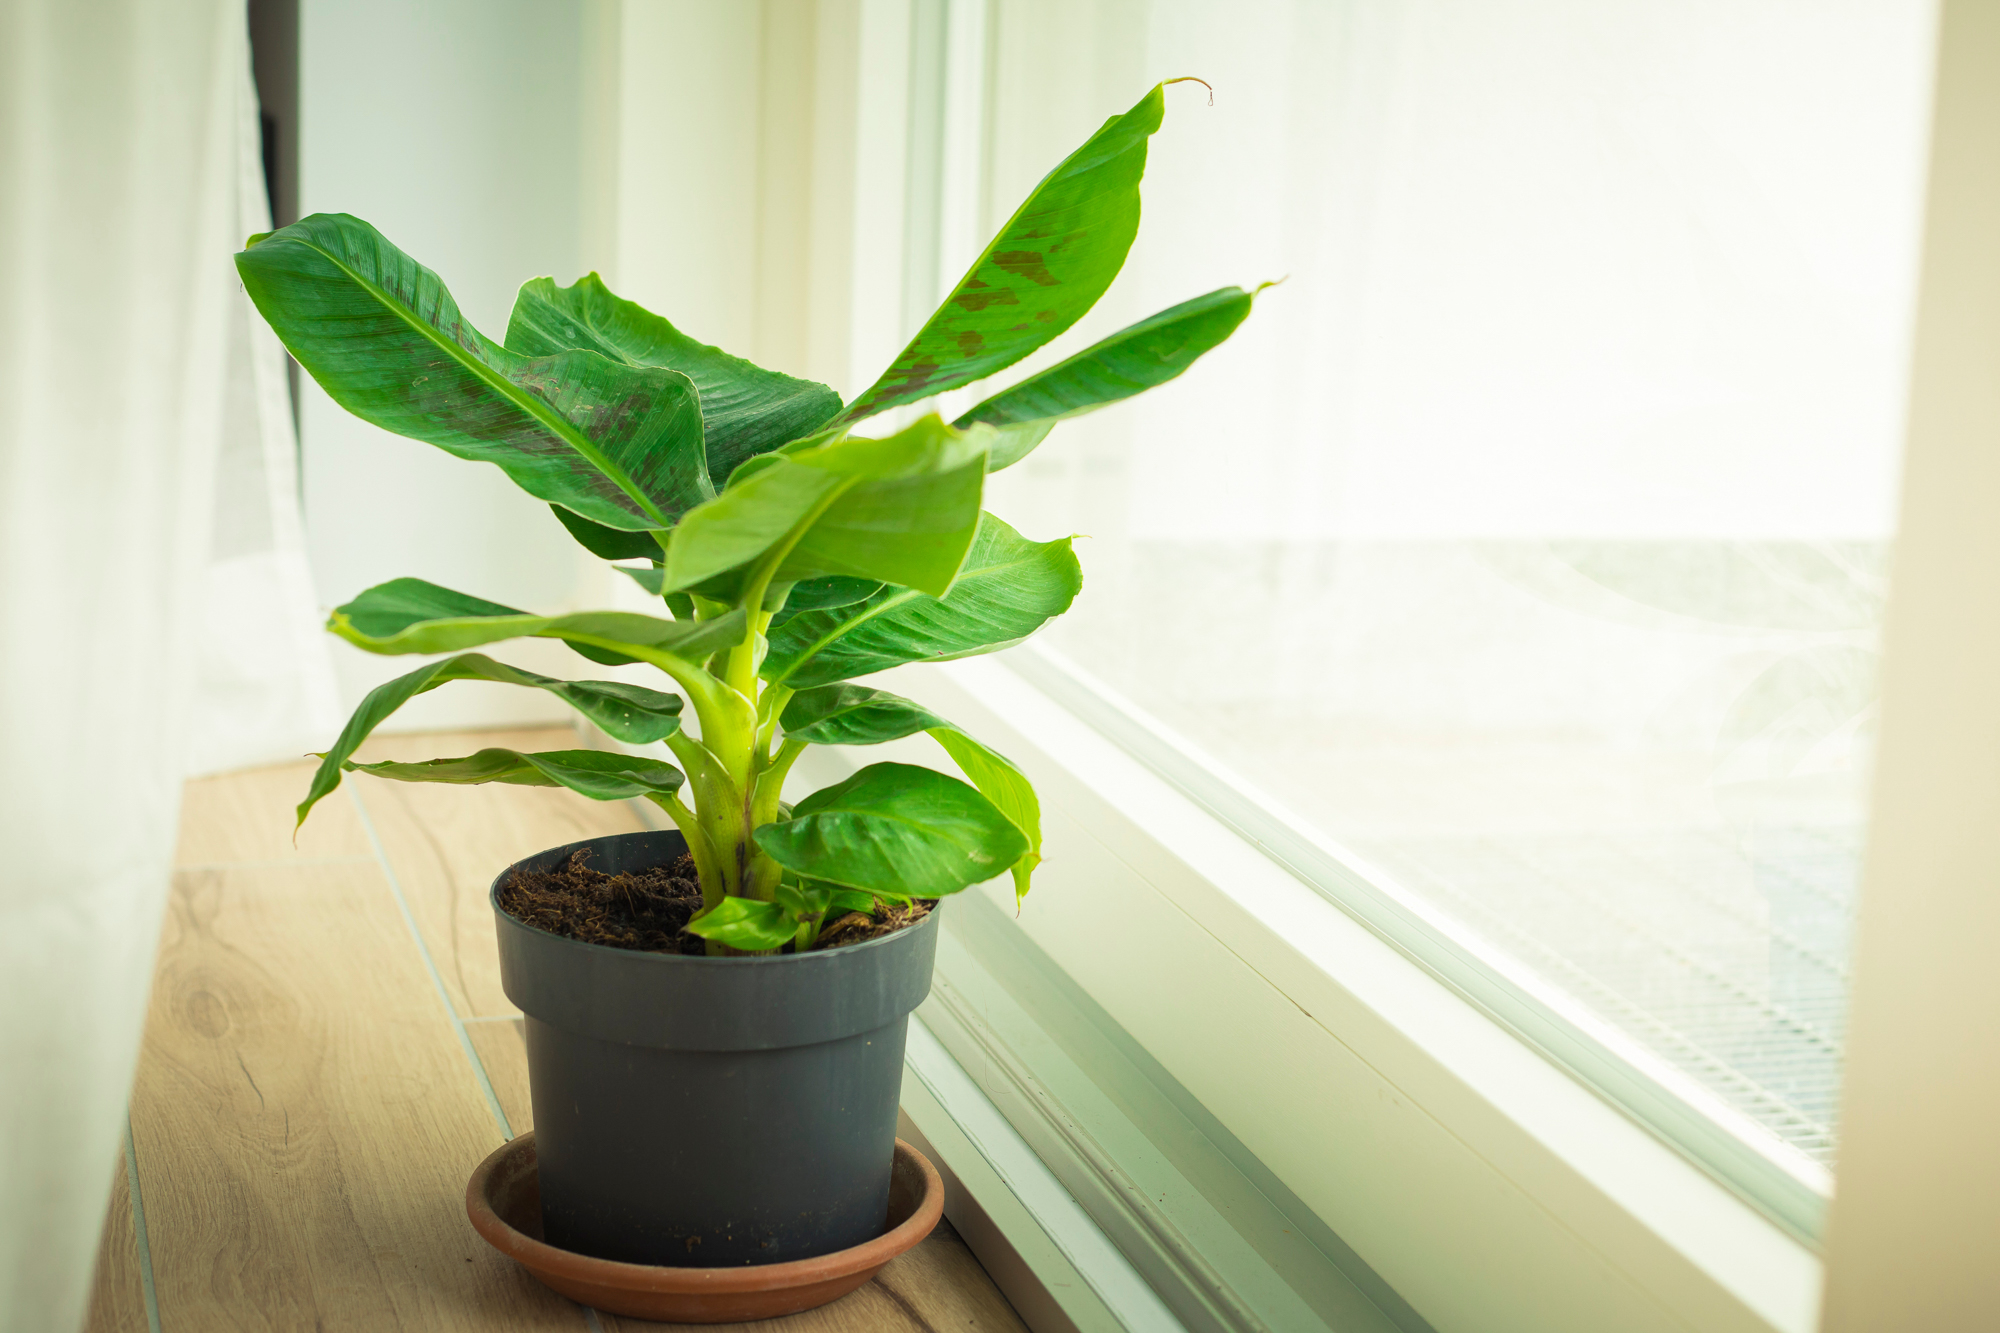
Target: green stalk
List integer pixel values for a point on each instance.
(700, 846)
(769, 708)
(733, 809)
(771, 782)
(715, 795)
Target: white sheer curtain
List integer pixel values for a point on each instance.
(264, 688)
(149, 558)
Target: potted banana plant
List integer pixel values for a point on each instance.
(715, 1072)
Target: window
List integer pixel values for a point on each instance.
(1526, 548)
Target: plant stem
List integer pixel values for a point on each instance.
(769, 708)
(700, 846)
(737, 782)
(771, 782)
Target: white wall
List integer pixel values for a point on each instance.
(458, 128)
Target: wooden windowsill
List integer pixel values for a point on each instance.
(326, 1024)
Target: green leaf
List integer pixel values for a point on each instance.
(1048, 266)
(857, 715)
(628, 712)
(749, 924)
(854, 715)
(619, 444)
(1011, 444)
(808, 899)
(598, 774)
(820, 593)
(896, 828)
(1129, 362)
(650, 577)
(815, 900)
(412, 616)
(745, 409)
(858, 900)
(1008, 588)
(1009, 790)
(609, 543)
(899, 510)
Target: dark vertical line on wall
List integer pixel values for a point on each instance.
(274, 66)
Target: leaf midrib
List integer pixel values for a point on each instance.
(903, 595)
(527, 402)
(1095, 352)
(920, 826)
(548, 627)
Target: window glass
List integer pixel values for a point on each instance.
(1530, 540)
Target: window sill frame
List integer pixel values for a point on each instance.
(1497, 1192)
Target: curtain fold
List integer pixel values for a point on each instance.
(128, 372)
(265, 690)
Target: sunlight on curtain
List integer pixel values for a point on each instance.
(1529, 542)
(138, 436)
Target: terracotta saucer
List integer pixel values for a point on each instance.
(504, 1201)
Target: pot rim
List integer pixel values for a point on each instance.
(541, 1257)
(493, 897)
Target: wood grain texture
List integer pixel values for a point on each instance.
(248, 817)
(117, 1303)
(938, 1286)
(447, 843)
(305, 1118)
(502, 1046)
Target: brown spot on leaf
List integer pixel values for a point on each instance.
(1029, 264)
(974, 302)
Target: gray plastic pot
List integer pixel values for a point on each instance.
(703, 1112)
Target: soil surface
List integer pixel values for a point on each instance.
(649, 911)
(855, 927)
